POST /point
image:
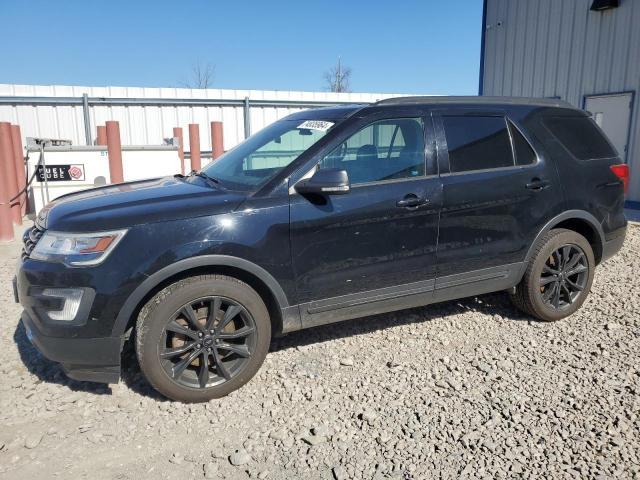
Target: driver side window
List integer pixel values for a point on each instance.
(383, 150)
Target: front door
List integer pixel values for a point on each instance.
(374, 247)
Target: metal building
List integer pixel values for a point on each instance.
(586, 52)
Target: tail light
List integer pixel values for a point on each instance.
(622, 172)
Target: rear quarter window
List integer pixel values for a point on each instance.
(581, 137)
(524, 153)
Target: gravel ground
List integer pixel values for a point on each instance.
(464, 389)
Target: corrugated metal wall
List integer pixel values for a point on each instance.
(553, 48)
(149, 125)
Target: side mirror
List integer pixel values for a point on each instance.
(330, 181)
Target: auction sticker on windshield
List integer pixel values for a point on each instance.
(321, 125)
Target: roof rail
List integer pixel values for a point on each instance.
(480, 100)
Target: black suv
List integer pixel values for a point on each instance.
(325, 215)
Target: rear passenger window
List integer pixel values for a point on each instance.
(477, 143)
(581, 137)
(524, 153)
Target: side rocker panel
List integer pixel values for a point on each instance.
(411, 295)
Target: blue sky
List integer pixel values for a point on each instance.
(417, 46)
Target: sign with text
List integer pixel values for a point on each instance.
(61, 173)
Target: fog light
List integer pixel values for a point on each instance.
(71, 298)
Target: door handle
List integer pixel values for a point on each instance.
(537, 184)
(411, 201)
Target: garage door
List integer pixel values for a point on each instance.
(613, 114)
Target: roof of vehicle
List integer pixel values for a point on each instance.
(339, 112)
(327, 113)
(475, 100)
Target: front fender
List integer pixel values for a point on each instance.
(253, 240)
(169, 271)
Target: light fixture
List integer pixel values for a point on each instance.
(71, 298)
(600, 5)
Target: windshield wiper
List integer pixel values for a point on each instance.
(205, 176)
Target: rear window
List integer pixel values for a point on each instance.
(477, 143)
(524, 153)
(581, 137)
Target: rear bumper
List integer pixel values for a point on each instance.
(613, 243)
(86, 359)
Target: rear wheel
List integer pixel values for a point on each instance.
(558, 277)
(202, 337)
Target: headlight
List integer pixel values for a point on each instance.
(76, 249)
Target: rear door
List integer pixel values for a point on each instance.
(497, 195)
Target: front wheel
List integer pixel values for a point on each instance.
(202, 337)
(558, 277)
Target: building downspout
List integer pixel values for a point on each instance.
(482, 45)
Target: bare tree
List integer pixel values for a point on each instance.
(201, 75)
(338, 78)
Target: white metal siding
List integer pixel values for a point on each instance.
(552, 48)
(149, 125)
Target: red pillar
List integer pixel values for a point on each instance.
(194, 146)
(114, 149)
(217, 147)
(101, 139)
(6, 225)
(177, 133)
(21, 174)
(9, 171)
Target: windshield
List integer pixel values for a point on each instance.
(258, 159)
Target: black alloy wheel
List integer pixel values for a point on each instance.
(202, 337)
(558, 276)
(207, 342)
(564, 276)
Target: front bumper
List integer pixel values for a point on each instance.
(77, 345)
(86, 359)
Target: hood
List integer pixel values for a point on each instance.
(133, 203)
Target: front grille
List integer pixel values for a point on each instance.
(30, 238)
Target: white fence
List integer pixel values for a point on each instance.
(148, 115)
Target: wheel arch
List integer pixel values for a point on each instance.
(254, 275)
(579, 221)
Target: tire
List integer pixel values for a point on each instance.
(219, 354)
(534, 294)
